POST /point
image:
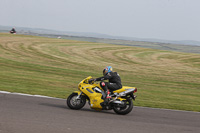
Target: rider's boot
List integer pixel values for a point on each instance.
(108, 94)
(107, 98)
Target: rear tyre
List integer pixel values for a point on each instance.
(125, 109)
(74, 103)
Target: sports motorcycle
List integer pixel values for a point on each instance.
(121, 100)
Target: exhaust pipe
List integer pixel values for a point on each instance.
(122, 94)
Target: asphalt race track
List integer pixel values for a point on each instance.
(26, 114)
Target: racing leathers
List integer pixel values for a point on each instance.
(114, 81)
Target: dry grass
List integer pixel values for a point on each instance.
(54, 67)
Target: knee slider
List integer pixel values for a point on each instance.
(103, 84)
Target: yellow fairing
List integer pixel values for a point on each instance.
(95, 101)
(121, 99)
(95, 98)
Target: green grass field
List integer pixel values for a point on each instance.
(54, 67)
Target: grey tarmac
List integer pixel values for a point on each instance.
(25, 114)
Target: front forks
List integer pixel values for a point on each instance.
(78, 97)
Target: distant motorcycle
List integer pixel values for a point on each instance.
(12, 32)
(121, 100)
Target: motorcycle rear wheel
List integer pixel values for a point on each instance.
(127, 108)
(74, 103)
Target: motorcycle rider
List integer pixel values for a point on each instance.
(113, 84)
(13, 31)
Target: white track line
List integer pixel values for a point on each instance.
(41, 96)
(22, 94)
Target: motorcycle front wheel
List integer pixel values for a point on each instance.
(74, 103)
(125, 109)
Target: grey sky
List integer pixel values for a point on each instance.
(160, 19)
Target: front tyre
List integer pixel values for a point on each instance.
(126, 108)
(74, 103)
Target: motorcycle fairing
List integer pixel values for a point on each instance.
(94, 97)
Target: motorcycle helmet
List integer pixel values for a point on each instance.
(107, 70)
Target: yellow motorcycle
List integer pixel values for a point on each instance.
(121, 100)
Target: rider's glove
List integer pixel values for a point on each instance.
(90, 80)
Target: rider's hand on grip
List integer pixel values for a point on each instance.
(90, 81)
